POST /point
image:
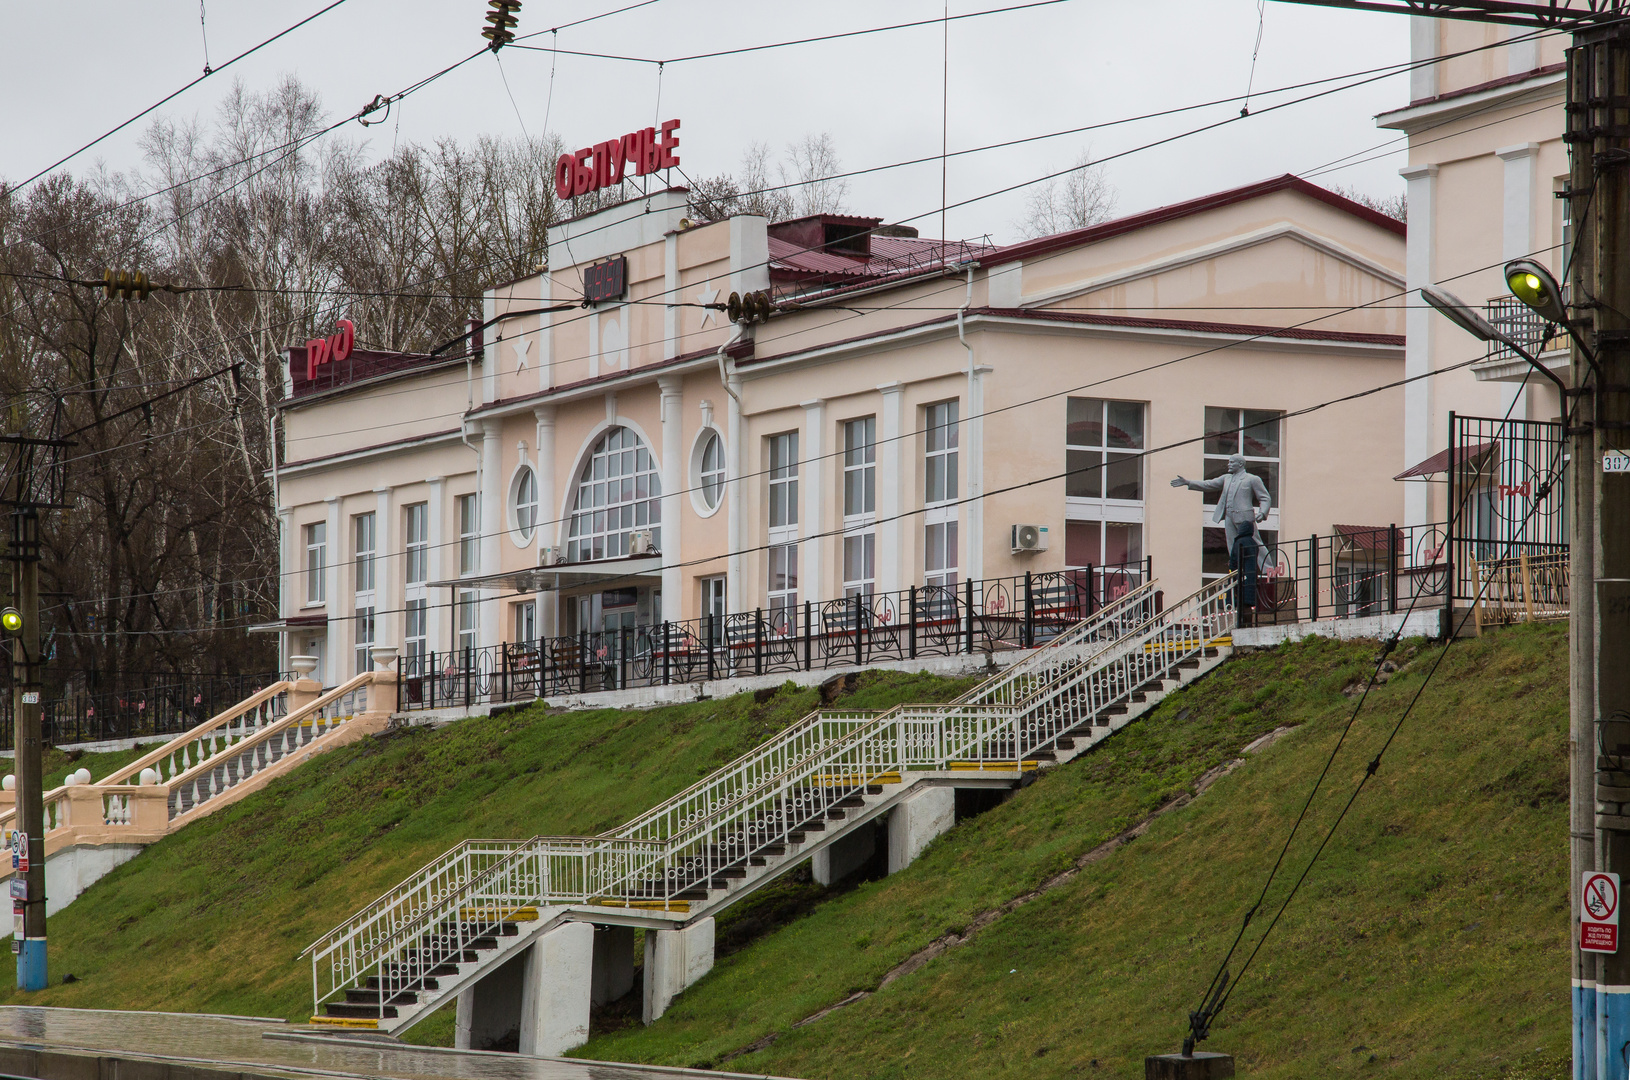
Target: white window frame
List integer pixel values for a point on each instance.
(710, 472)
(364, 536)
(468, 625)
(860, 506)
(416, 546)
(523, 506)
(416, 618)
(1101, 511)
(781, 558)
(524, 620)
(316, 536)
(942, 447)
(469, 534)
(607, 507)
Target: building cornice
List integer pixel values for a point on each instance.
(308, 466)
(1513, 90)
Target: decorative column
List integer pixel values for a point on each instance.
(812, 477)
(337, 640)
(890, 487)
(288, 581)
(1418, 327)
(551, 527)
(972, 444)
(437, 629)
(673, 480)
(735, 598)
(492, 527)
(387, 573)
(1517, 238)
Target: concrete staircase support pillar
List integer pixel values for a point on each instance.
(913, 825)
(536, 1002)
(674, 959)
(844, 855)
(555, 998)
(613, 963)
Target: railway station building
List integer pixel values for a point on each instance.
(916, 424)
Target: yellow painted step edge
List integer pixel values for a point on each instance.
(345, 1021)
(840, 779)
(681, 906)
(521, 914)
(993, 766)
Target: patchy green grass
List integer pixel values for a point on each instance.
(1430, 939)
(213, 918)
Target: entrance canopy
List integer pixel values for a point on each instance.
(630, 570)
(1439, 462)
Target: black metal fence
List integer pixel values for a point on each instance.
(1353, 571)
(168, 706)
(925, 620)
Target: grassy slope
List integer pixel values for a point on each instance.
(213, 918)
(1431, 940)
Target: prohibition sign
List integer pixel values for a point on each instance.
(1601, 898)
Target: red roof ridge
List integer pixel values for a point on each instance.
(1197, 325)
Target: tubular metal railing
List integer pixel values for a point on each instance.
(764, 802)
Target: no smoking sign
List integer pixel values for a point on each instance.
(1599, 912)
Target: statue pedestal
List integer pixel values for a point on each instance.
(1196, 1066)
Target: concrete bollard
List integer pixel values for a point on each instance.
(674, 959)
(916, 822)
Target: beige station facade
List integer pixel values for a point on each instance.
(641, 458)
(1486, 161)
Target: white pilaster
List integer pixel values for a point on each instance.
(973, 446)
(673, 482)
(338, 638)
(489, 351)
(1521, 56)
(437, 629)
(1517, 235)
(670, 314)
(1423, 45)
(387, 572)
(812, 476)
(492, 526)
(550, 529)
(735, 599)
(546, 333)
(1418, 327)
(890, 487)
(289, 583)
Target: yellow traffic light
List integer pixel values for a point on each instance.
(11, 621)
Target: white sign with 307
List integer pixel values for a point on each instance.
(1616, 461)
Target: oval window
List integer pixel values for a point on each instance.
(712, 471)
(525, 504)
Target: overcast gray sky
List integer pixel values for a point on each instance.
(71, 72)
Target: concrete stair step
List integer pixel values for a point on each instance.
(359, 1012)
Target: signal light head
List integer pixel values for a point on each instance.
(11, 621)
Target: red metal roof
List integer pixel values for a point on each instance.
(890, 256)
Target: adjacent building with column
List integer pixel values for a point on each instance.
(915, 414)
(1486, 161)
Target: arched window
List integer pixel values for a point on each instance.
(712, 471)
(525, 504)
(618, 494)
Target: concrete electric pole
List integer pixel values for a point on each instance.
(22, 624)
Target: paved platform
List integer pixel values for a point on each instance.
(194, 1046)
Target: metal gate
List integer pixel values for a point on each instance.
(1506, 496)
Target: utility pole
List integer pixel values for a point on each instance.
(23, 623)
(1598, 117)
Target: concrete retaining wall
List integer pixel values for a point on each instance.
(1427, 623)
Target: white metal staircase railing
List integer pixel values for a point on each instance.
(761, 806)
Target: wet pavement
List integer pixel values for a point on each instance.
(271, 1047)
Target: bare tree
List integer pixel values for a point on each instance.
(750, 191)
(1080, 198)
(809, 169)
(1394, 206)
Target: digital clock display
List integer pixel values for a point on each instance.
(605, 281)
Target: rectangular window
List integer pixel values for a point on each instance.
(782, 556)
(1103, 450)
(316, 562)
(469, 535)
(525, 622)
(469, 614)
(1253, 433)
(783, 480)
(365, 638)
(859, 506)
(940, 464)
(940, 490)
(363, 531)
(1214, 552)
(713, 601)
(414, 635)
(418, 544)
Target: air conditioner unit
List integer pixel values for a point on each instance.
(1029, 539)
(551, 556)
(641, 543)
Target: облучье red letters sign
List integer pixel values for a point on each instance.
(603, 164)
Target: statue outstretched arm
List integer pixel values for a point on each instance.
(1214, 484)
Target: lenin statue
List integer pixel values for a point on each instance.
(1242, 504)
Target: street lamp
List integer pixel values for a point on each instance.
(1462, 315)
